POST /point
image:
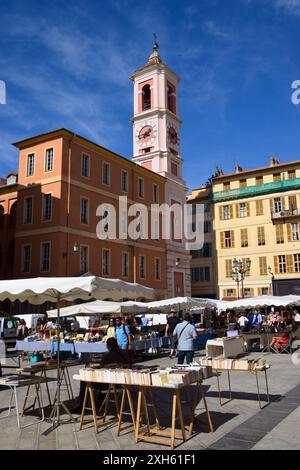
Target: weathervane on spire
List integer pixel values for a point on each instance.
(155, 45)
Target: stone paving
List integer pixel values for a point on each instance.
(239, 424)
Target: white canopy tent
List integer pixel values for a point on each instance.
(48, 289)
(261, 301)
(181, 303)
(99, 307)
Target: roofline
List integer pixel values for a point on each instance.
(150, 67)
(255, 170)
(63, 132)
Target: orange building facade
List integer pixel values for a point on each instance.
(49, 216)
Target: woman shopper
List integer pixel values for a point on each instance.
(170, 327)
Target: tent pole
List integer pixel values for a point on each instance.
(55, 413)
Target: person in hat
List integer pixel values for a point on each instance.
(170, 327)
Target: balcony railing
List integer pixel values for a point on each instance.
(285, 214)
(256, 190)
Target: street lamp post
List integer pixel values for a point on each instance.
(272, 278)
(239, 273)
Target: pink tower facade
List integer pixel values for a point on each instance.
(156, 146)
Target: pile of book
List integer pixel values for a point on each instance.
(167, 377)
(227, 364)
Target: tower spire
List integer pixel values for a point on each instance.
(154, 57)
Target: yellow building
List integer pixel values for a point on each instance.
(256, 217)
(203, 263)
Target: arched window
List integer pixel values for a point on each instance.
(13, 214)
(1, 215)
(172, 99)
(146, 94)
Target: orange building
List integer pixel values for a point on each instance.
(48, 217)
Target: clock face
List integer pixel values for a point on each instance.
(172, 134)
(146, 134)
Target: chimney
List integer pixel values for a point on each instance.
(238, 169)
(2, 182)
(274, 161)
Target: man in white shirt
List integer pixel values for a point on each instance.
(243, 322)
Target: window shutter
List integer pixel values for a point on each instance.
(259, 291)
(237, 211)
(222, 240)
(252, 292)
(283, 203)
(289, 232)
(221, 213)
(224, 293)
(248, 209)
(276, 265)
(289, 263)
(271, 205)
(232, 238)
(231, 211)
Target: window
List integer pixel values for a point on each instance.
(207, 227)
(125, 264)
(171, 98)
(295, 232)
(228, 268)
(263, 291)
(297, 263)
(277, 205)
(124, 181)
(207, 207)
(26, 259)
(141, 187)
(263, 270)
(206, 251)
(45, 257)
(259, 208)
(243, 210)
(247, 273)
(155, 194)
(248, 292)
(277, 177)
(28, 206)
(105, 262)
(142, 267)
(106, 174)
(85, 165)
(292, 203)
(291, 174)
(259, 180)
(146, 97)
(243, 183)
(227, 212)
(49, 160)
(244, 237)
(84, 211)
(47, 207)
(229, 292)
(282, 263)
(174, 169)
(279, 234)
(30, 164)
(226, 186)
(261, 239)
(201, 274)
(227, 239)
(157, 269)
(84, 259)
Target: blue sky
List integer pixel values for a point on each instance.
(67, 64)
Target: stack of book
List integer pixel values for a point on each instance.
(227, 364)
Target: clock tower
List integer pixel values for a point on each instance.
(156, 146)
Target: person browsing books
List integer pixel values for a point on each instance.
(123, 335)
(185, 333)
